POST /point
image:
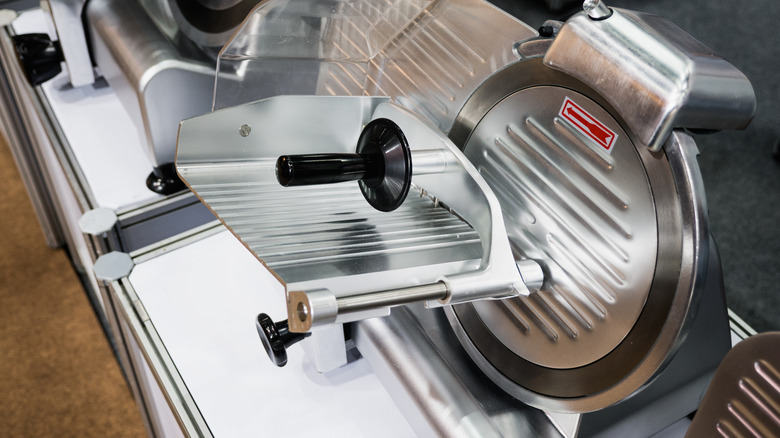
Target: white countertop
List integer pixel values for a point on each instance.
(203, 300)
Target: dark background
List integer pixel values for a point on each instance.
(741, 178)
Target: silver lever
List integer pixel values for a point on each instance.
(596, 9)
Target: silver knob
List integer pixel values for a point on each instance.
(596, 9)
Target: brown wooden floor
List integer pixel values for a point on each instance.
(58, 376)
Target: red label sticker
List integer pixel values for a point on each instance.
(587, 124)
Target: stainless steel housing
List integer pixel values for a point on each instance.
(654, 74)
(143, 65)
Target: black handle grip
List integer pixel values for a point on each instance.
(382, 166)
(300, 170)
(276, 338)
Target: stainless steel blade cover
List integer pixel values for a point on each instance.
(616, 228)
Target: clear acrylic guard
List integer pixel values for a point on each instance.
(414, 51)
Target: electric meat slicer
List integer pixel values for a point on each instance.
(529, 206)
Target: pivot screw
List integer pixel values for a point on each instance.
(276, 338)
(596, 9)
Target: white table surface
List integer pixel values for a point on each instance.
(203, 300)
(102, 136)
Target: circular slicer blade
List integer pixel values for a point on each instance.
(604, 218)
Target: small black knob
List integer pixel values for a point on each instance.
(40, 57)
(382, 165)
(276, 338)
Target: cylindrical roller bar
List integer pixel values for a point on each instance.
(403, 356)
(428, 161)
(390, 298)
(321, 307)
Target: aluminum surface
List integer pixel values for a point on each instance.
(319, 232)
(240, 186)
(432, 380)
(465, 193)
(655, 75)
(586, 216)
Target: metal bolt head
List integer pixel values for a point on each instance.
(98, 221)
(245, 130)
(113, 266)
(302, 311)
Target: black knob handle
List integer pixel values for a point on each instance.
(301, 170)
(276, 338)
(382, 165)
(39, 55)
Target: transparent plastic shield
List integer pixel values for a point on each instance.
(426, 55)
